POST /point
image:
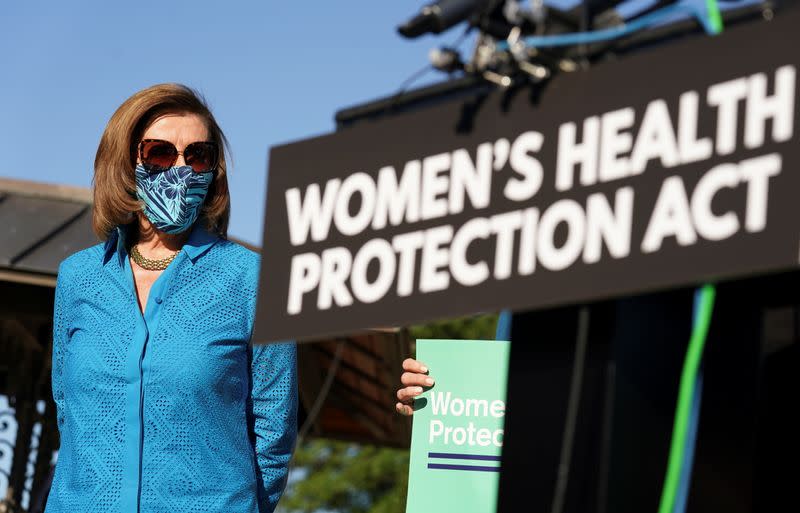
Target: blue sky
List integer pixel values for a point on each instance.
(272, 72)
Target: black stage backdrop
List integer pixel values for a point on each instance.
(670, 167)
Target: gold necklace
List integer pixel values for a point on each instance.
(151, 265)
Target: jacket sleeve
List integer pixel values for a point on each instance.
(61, 325)
(273, 408)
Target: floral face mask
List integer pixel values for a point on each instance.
(172, 198)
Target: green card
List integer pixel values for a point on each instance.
(457, 435)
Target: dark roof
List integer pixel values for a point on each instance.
(42, 225)
(360, 403)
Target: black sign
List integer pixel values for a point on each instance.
(675, 166)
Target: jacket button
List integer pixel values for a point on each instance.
(159, 300)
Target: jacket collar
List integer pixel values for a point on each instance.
(200, 240)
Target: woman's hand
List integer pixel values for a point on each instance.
(413, 379)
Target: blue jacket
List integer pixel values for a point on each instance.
(174, 410)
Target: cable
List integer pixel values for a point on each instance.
(572, 411)
(684, 485)
(422, 72)
(503, 330)
(709, 17)
(460, 39)
(413, 78)
(323, 393)
(714, 17)
(704, 301)
(311, 417)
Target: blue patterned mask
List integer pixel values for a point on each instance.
(172, 198)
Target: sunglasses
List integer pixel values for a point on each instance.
(157, 155)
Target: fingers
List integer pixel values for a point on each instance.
(412, 365)
(404, 409)
(413, 378)
(407, 394)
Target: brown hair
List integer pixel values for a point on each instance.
(114, 178)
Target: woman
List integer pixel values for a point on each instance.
(163, 404)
